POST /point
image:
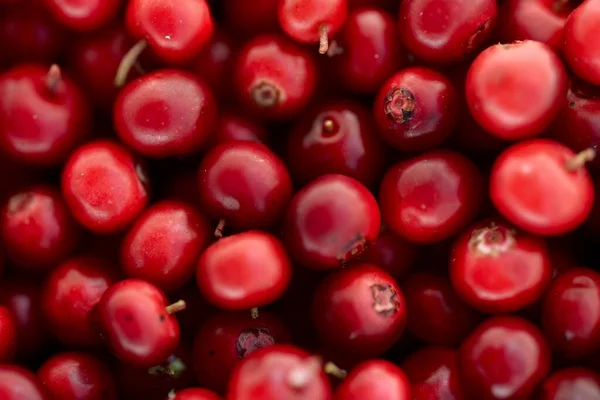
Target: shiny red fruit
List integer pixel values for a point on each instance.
(376, 379)
(18, 383)
(582, 41)
(83, 16)
(571, 383)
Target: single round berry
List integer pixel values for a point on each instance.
(581, 46)
(250, 18)
(571, 383)
(236, 126)
(359, 309)
(416, 109)
(330, 222)
(8, 335)
(393, 254)
(542, 186)
(193, 394)
(83, 16)
(377, 379)
(496, 269)
(514, 91)
(431, 197)
(104, 186)
(244, 271)
(18, 383)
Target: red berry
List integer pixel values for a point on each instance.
(514, 91)
(542, 186)
(582, 41)
(70, 293)
(330, 222)
(8, 335)
(446, 31)
(164, 244)
(193, 394)
(504, 358)
(244, 271)
(245, 184)
(104, 186)
(86, 15)
(416, 109)
(496, 269)
(279, 372)
(136, 323)
(72, 376)
(359, 309)
(571, 313)
(393, 254)
(18, 383)
(337, 138)
(43, 115)
(226, 338)
(431, 197)
(571, 383)
(236, 126)
(37, 229)
(273, 77)
(249, 18)
(165, 113)
(375, 379)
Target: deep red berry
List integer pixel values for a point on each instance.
(136, 323)
(226, 338)
(86, 15)
(249, 18)
(18, 383)
(70, 293)
(74, 376)
(337, 138)
(366, 51)
(571, 383)
(582, 41)
(571, 313)
(393, 254)
(43, 115)
(330, 222)
(514, 91)
(359, 309)
(193, 394)
(374, 379)
(277, 372)
(446, 31)
(436, 315)
(542, 186)
(504, 358)
(433, 373)
(236, 126)
(174, 31)
(37, 229)
(164, 244)
(245, 184)
(8, 335)
(273, 77)
(496, 269)
(431, 197)
(165, 113)
(104, 186)
(244, 271)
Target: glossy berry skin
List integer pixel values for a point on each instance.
(436, 315)
(279, 371)
(445, 32)
(514, 91)
(496, 269)
(419, 204)
(165, 113)
(337, 138)
(174, 31)
(248, 19)
(195, 394)
(433, 373)
(359, 310)
(330, 222)
(367, 51)
(135, 324)
(69, 293)
(393, 254)
(243, 271)
(237, 126)
(305, 21)
(104, 186)
(581, 42)
(83, 16)
(164, 244)
(37, 229)
(226, 338)
(8, 335)
(40, 125)
(377, 379)
(273, 77)
(571, 313)
(505, 357)
(77, 376)
(573, 383)
(416, 109)
(18, 383)
(534, 185)
(245, 184)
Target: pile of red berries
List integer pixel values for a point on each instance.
(299, 199)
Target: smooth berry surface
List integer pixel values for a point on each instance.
(581, 39)
(84, 16)
(571, 382)
(378, 378)
(19, 383)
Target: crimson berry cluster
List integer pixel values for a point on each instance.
(299, 199)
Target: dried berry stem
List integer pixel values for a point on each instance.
(128, 62)
(175, 307)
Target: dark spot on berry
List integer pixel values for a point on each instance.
(475, 39)
(399, 105)
(353, 249)
(211, 352)
(385, 300)
(253, 339)
(162, 317)
(572, 104)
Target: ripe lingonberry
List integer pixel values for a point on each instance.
(393, 254)
(193, 394)
(8, 336)
(582, 41)
(19, 383)
(237, 126)
(571, 383)
(84, 16)
(374, 379)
